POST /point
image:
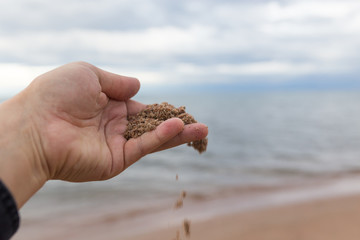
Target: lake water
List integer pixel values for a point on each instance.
(256, 140)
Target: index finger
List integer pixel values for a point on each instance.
(116, 86)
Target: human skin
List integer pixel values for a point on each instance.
(68, 124)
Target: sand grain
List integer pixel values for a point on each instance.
(153, 115)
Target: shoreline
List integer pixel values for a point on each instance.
(221, 214)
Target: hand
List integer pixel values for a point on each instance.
(76, 116)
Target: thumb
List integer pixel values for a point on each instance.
(136, 148)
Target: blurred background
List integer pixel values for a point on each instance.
(277, 82)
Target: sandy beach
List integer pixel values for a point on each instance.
(336, 218)
(326, 211)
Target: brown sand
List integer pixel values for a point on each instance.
(330, 219)
(186, 225)
(153, 115)
(180, 201)
(177, 235)
(183, 194)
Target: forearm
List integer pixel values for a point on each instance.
(18, 166)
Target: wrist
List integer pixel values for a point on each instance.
(21, 161)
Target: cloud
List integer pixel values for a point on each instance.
(14, 77)
(177, 40)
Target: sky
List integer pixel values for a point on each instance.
(194, 43)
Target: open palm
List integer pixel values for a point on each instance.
(81, 116)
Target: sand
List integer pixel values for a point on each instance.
(180, 201)
(153, 115)
(332, 218)
(186, 225)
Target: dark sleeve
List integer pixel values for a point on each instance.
(9, 216)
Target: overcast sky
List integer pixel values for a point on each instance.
(171, 42)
